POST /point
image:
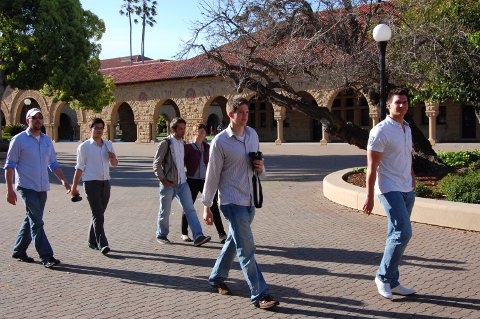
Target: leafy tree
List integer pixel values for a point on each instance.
(437, 49)
(128, 8)
(50, 45)
(266, 46)
(147, 10)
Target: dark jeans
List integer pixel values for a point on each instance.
(98, 194)
(32, 226)
(196, 186)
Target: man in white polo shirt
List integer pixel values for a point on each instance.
(94, 157)
(390, 176)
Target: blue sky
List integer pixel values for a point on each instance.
(174, 20)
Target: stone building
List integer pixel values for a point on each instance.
(191, 90)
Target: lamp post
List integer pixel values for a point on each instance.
(382, 34)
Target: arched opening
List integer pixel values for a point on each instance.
(352, 106)
(29, 103)
(68, 128)
(300, 127)
(125, 127)
(261, 119)
(162, 118)
(217, 116)
(4, 121)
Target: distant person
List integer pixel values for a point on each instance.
(30, 154)
(220, 127)
(390, 176)
(230, 170)
(196, 161)
(169, 168)
(94, 158)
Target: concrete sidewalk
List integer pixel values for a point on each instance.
(319, 258)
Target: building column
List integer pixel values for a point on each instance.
(325, 135)
(49, 130)
(432, 111)
(279, 114)
(374, 115)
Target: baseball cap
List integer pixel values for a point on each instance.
(32, 112)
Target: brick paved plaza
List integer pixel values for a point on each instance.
(318, 257)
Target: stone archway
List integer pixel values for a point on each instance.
(217, 118)
(168, 110)
(125, 127)
(261, 119)
(66, 123)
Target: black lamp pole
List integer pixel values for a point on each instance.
(382, 45)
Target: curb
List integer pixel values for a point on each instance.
(426, 210)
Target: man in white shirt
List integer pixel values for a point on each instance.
(94, 157)
(390, 177)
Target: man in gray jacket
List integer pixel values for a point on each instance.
(169, 168)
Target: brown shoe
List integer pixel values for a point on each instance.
(267, 302)
(222, 289)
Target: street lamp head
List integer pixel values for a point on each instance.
(382, 32)
(27, 102)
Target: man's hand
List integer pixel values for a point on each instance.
(258, 165)
(11, 197)
(166, 183)
(368, 205)
(67, 186)
(74, 192)
(207, 216)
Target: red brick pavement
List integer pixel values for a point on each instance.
(319, 258)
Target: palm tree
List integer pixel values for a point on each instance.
(127, 9)
(147, 11)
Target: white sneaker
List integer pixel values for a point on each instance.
(383, 289)
(400, 290)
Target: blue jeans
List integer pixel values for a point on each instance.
(183, 195)
(239, 242)
(398, 207)
(32, 226)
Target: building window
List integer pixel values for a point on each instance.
(364, 117)
(442, 115)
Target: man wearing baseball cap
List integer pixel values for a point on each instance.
(30, 153)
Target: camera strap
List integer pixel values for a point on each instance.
(257, 191)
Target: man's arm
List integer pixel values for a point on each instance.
(158, 162)
(373, 160)
(11, 195)
(59, 173)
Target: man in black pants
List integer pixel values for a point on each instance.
(196, 161)
(94, 157)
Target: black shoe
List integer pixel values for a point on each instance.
(23, 257)
(201, 240)
(50, 262)
(163, 240)
(105, 250)
(267, 302)
(92, 246)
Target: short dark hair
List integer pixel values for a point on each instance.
(175, 122)
(97, 120)
(199, 126)
(398, 91)
(235, 102)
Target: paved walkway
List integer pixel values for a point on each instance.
(319, 258)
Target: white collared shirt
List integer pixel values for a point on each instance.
(395, 143)
(93, 160)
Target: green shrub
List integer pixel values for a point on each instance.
(422, 190)
(461, 158)
(359, 170)
(14, 129)
(463, 187)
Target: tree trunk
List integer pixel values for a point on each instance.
(425, 160)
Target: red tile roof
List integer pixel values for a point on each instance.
(157, 70)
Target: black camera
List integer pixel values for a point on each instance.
(255, 156)
(76, 198)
